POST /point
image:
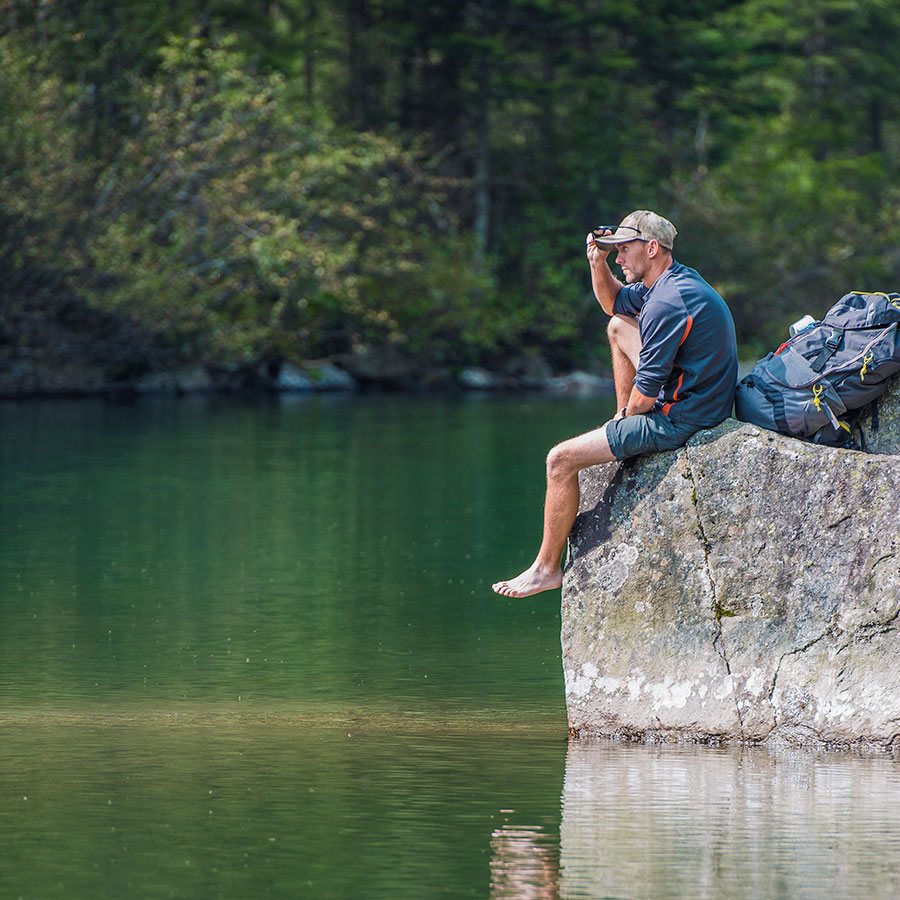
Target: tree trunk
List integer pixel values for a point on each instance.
(483, 161)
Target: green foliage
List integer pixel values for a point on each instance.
(244, 230)
(40, 160)
(252, 181)
(804, 204)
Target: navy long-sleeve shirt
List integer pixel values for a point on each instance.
(688, 347)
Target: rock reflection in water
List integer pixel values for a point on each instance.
(702, 822)
(524, 864)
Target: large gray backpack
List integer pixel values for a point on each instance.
(811, 386)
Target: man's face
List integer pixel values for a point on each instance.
(633, 260)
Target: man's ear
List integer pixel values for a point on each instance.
(652, 248)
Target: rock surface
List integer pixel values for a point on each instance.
(582, 384)
(192, 380)
(743, 588)
(477, 379)
(880, 422)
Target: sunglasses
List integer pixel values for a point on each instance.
(599, 235)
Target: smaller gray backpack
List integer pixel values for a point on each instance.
(813, 384)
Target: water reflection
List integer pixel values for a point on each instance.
(320, 804)
(697, 822)
(651, 822)
(327, 549)
(524, 864)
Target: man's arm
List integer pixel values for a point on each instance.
(665, 326)
(606, 285)
(638, 404)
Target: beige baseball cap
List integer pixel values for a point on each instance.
(641, 225)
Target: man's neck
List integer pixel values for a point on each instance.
(657, 270)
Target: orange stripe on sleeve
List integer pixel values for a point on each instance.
(668, 406)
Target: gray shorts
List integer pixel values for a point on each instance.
(647, 433)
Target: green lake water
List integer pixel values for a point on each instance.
(248, 649)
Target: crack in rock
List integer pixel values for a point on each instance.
(880, 560)
(795, 652)
(844, 518)
(718, 640)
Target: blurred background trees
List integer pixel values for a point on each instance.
(244, 182)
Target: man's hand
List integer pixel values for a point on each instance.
(595, 253)
(639, 403)
(604, 283)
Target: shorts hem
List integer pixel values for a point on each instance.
(651, 432)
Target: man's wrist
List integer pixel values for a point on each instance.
(623, 412)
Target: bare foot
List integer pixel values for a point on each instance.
(531, 581)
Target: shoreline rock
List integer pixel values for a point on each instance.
(24, 382)
(745, 588)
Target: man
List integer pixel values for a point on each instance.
(674, 359)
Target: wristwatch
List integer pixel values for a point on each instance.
(623, 412)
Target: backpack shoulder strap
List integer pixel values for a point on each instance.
(829, 348)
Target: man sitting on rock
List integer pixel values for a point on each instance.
(674, 359)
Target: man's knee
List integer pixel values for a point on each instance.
(567, 459)
(622, 330)
(560, 463)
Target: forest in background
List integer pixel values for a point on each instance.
(241, 183)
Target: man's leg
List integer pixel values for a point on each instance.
(625, 344)
(564, 462)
